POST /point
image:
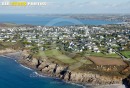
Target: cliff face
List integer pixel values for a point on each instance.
(63, 72)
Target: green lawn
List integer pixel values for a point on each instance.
(126, 53)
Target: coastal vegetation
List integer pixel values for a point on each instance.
(126, 54)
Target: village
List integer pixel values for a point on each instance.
(91, 39)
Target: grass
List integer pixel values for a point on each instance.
(83, 60)
(74, 62)
(102, 55)
(57, 55)
(8, 43)
(68, 60)
(126, 53)
(4, 45)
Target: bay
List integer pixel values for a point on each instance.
(49, 20)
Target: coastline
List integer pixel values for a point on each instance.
(74, 83)
(77, 78)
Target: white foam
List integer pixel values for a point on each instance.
(76, 84)
(6, 56)
(39, 74)
(25, 67)
(35, 74)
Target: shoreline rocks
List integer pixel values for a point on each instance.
(54, 70)
(71, 76)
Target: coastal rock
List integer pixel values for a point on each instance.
(66, 77)
(42, 65)
(34, 61)
(126, 81)
(59, 69)
(47, 68)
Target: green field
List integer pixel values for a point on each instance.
(74, 63)
(102, 55)
(4, 45)
(57, 55)
(126, 53)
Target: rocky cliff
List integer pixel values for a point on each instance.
(63, 72)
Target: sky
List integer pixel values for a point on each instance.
(70, 7)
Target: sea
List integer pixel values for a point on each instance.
(14, 75)
(41, 20)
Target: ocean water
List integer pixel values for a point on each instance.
(49, 20)
(13, 75)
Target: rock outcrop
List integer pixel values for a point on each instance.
(126, 81)
(63, 72)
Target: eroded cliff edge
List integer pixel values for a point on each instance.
(104, 76)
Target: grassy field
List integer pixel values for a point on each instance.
(74, 63)
(4, 45)
(102, 55)
(57, 55)
(83, 60)
(126, 53)
(69, 60)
